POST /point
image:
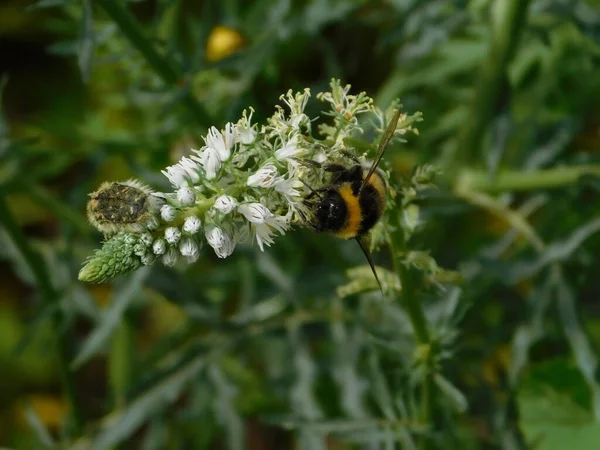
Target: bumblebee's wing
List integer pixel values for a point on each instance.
(365, 249)
(385, 140)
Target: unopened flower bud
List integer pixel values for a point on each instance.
(172, 235)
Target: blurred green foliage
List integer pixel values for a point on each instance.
(260, 351)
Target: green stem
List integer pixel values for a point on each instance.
(471, 180)
(506, 29)
(121, 362)
(160, 64)
(411, 280)
(50, 297)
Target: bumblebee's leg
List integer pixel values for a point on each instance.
(340, 173)
(334, 168)
(308, 162)
(349, 155)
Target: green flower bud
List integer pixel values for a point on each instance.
(116, 257)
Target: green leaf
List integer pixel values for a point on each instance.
(100, 336)
(41, 4)
(582, 349)
(225, 393)
(362, 280)
(37, 426)
(85, 51)
(379, 387)
(552, 421)
(458, 399)
(122, 424)
(302, 397)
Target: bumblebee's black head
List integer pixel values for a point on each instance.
(330, 212)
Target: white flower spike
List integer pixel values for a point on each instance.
(248, 182)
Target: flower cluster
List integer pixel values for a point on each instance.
(246, 183)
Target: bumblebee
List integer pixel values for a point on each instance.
(354, 201)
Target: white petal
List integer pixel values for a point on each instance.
(172, 235)
(159, 247)
(225, 204)
(221, 143)
(168, 213)
(186, 196)
(192, 224)
(170, 257)
(255, 212)
(222, 243)
(210, 160)
(188, 247)
(265, 177)
(176, 175)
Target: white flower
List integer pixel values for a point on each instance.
(148, 259)
(170, 257)
(139, 249)
(183, 173)
(290, 149)
(297, 103)
(192, 224)
(291, 190)
(265, 177)
(168, 213)
(222, 243)
(186, 196)
(159, 246)
(265, 231)
(152, 223)
(320, 157)
(191, 169)
(172, 235)
(244, 132)
(210, 160)
(189, 248)
(264, 222)
(225, 204)
(146, 238)
(176, 175)
(255, 212)
(219, 142)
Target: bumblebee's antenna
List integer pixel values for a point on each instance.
(385, 140)
(365, 250)
(312, 191)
